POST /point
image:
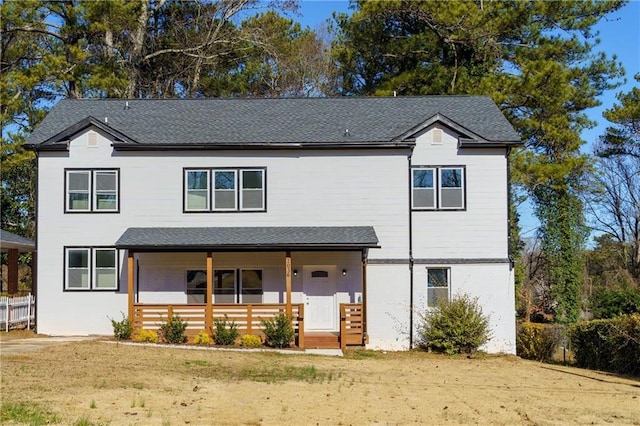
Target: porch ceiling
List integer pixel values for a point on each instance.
(249, 238)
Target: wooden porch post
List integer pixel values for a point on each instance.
(208, 316)
(365, 335)
(288, 281)
(12, 271)
(130, 267)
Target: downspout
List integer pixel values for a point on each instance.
(137, 281)
(365, 336)
(410, 257)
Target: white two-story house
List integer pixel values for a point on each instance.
(353, 215)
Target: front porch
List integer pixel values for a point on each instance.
(320, 283)
(248, 318)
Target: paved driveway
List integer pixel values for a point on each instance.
(16, 346)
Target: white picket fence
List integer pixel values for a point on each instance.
(16, 311)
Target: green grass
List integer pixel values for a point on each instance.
(307, 374)
(86, 421)
(83, 421)
(363, 354)
(25, 412)
(198, 362)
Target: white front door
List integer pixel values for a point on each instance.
(319, 286)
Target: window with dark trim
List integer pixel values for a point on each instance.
(92, 190)
(438, 286)
(224, 190)
(226, 288)
(91, 269)
(438, 188)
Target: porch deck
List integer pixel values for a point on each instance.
(248, 318)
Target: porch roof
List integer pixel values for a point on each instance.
(9, 240)
(249, 238)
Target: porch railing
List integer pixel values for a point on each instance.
(248, 317)
(351, 325)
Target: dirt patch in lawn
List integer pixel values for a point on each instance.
(101, 383)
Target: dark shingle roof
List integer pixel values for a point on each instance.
(9, 240)
(276, 121)
(249, 237)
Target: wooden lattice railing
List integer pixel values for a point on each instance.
(351, 324)
(248, 317)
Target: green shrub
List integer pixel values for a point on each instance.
(610, 344)
(538, 341)
(226, 331)
(251, 341)
(278, 331)
(122, 329)
(456, 326)
(615, 302)
(147, 336)
(202, 338)
(172, 331)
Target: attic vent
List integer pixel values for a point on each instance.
(92, 139)
(436, 137)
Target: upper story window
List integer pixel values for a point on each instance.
(197, 191)
(220, 190)
(92, 190)
(438, 188)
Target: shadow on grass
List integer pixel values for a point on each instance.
(597, 379)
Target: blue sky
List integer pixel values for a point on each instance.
(619, 35)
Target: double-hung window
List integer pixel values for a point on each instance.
(91, 268)
(438, 188)
(451, 188)
(252, 184)
(224, 286)
(424, 193)
(91, 191)
(251, 286)
(438, 286)
(197, 190)
(225, 190)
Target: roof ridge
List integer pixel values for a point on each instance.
(346, 98)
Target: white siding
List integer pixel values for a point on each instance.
(303, 188)
(388, 306)
(481, 230)
(492, 284)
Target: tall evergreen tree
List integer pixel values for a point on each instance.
(535, 59)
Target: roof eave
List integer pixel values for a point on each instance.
(244, 247)
(59, 146)
(60, 141)
(408, 144)
(473, 143)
